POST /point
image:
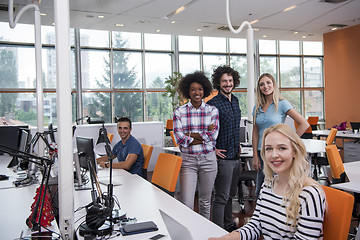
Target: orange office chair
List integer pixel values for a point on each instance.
(169, 127)
(338, 212)
(147, 150)
(110, 137)
(307, 134)
(331, 137)
(313, 121)
(323, 161)
(173, 139)
(336, 164)
(166, 172)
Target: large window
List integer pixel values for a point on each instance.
(123, 74)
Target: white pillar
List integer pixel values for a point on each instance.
(64, 114)
(250, 77)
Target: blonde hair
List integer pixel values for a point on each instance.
(299, 171)
(260, 97)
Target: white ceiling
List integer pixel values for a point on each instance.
(310, 18)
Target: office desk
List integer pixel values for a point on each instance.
(15, 204)
(340, 134)
(352, 170)
(140, 199)
(314, 146)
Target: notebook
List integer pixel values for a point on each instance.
(176, 230)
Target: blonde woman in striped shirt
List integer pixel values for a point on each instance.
(291, 204)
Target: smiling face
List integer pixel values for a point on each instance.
(124, 130)
(226, 84)
(196, 93)
(266, 86)
(279, 153)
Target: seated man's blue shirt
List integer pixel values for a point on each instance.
(131, 146)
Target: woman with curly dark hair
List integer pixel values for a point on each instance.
(196, 129)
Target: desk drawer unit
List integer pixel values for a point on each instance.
(351, 151)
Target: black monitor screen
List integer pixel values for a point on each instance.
(355, 125)
(85, 147)
(10, 136)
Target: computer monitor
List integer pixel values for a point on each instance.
(24, 139)
(355, 125)
(85, 147)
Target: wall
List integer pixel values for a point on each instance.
(342, 76)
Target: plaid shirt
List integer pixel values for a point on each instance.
(230, 116)
(189, 119)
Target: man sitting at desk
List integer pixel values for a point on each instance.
(128, 150)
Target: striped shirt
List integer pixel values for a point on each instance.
(187, 119)
(269, 218)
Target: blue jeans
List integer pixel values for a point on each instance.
(260, 176)
(225, 190)
(198, 169)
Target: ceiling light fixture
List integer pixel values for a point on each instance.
(172, 22)
(158, 30)
(295, 33)
(119, 25)
(43, 14)
(256, 29)
(199, 30)
(180, 9)
(264, 36)
(255, 21)
(303, 36)
(333, 29)
(289, 8)
(101, 16)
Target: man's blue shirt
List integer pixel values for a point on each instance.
(229, 118)
(132, 145)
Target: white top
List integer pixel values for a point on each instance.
(269, 218)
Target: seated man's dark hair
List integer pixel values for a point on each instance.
(124, 119)
(199, 77)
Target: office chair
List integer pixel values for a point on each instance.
(338, 212)
(173, 139)
(336, 164)
(313, 121)
(147, 150)
(169, 127)
(166, 172)
(323, 161)
(110, 137)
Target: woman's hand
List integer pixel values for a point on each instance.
(256, 163)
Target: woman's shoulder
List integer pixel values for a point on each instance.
(314, 192)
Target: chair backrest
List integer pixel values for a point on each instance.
(335, 161)
(147, 151)
(110, 137)
(313, 121)
(173, 139)
(331, 137)
(337, 214)
(169, 124)
(166, 171)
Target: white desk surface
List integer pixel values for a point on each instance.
(314, 145)
(352, 170)
(140, 199)
(340, 134)
(15, 204)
